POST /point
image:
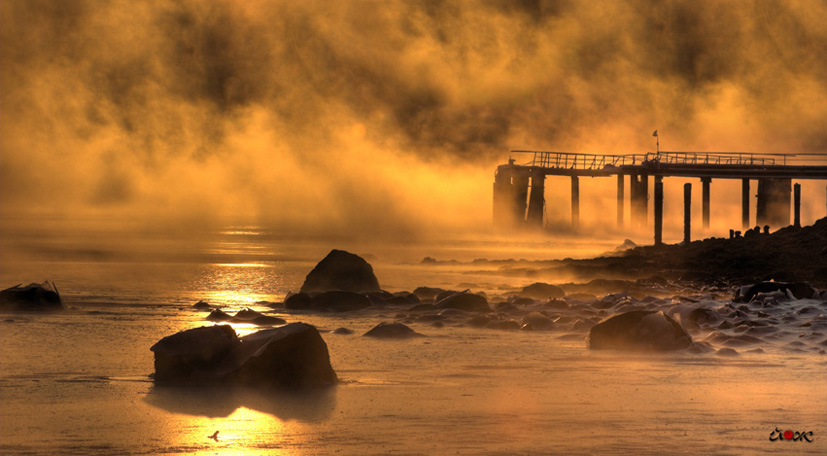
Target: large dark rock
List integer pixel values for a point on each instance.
(542, 291)
(204, 354)
(639, 330)
(463, 301)
(32, 297)
(341, 271)
(294, 355)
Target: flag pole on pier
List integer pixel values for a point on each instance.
(657, 138)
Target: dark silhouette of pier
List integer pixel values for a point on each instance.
(519, 189)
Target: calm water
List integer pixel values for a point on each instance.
(76, 382)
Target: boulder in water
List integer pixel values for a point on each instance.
(639, 330)
(341, 271)
(538, 321)
(392, 331)
(294, 355)
(33, 297)
(464, 301)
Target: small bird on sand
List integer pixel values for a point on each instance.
(214, 436)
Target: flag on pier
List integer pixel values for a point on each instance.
(655, 133)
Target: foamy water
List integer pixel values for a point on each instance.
(77, 382)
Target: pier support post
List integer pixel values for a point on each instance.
(620, 197)
(687, 213)
(504, 198)
(644, 200)
(521, 197)
(745, 203)
(536, 200)
(639, 187)
(634, 190)
(705, 201)
(658, 211)
(797, 205)
(575, 201)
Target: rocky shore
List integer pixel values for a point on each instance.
(791, 254)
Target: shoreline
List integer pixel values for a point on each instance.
(791, 254)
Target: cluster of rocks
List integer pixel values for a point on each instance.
(245, 315)
(292, 356)
(295, 355)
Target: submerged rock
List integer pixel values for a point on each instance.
(219, 315)
(392, 331)
(338, 301)
(294, 355)
(639, 330)
(797, 290)
(542, 291)
(464, 301)
(428, 292)
(504, 325)
(202, 305)
(35, 296)
(257, 318)
(341, 271)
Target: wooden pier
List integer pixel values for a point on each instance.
(519, 189)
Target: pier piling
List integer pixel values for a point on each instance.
(575, 201)
(745, 203)
(620, 203)
(705, 201)
(687, 213)
(797, 205)
(536, 200)
(658, 212)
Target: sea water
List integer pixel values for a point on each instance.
(78, 382)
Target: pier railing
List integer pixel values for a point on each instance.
(572, 160)
(713, 158)
(578, 161)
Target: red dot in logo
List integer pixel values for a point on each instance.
(788, 435)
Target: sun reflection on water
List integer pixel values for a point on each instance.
(240, 284)
(248, 420)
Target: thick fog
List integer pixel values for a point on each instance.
(381, 118)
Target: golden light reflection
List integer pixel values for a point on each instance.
(243, 432)
(238, 284)
(247, 420)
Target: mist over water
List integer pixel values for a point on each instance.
(379, 119)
